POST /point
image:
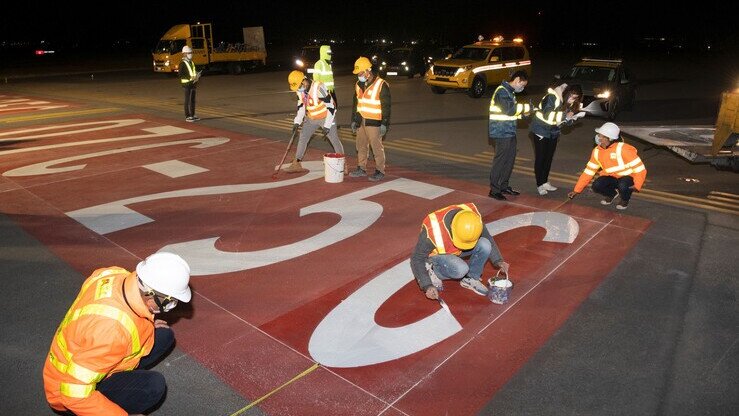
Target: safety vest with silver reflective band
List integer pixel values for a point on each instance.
(190, 70)
(555, 116)
(368, 101)
(315, 108)
(322, 72)
(106, 330)
(496, 112)
(618, 160)
(439, 234)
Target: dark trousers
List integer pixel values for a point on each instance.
(139, 390)
(189, 100)
(544, 149)
(505, 157)
(607, 185)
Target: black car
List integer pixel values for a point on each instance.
(608, 86)
(405, 61)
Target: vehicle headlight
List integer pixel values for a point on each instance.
(384, 63)
(299, 63)
(166, 63)
(406, 68)
(404, 63)
(604, 94)
(462, 69)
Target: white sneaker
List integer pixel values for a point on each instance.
(548, 186)
(541, 190)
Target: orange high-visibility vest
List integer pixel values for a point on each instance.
(439, 234)
(368, 101)
(315, 108)
(107, 329)
(617, 160)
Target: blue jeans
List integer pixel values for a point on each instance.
(607, 185)
(137, 391)
(450, 266)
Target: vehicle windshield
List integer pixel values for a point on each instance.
(593, 73)
(311, 54)
(170, 46)
(473, 54)
(399, 54)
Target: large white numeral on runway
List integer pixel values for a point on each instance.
(44, 169)
(349, 336)
(356, 215)
(16, 104)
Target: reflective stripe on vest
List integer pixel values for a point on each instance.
(325, 74)
(439, 234)
(555, 117)
(620, 168)
(190, 70)
(77, 391)
(496, 113)
(368, 101)
(314, 106)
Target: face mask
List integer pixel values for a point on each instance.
(597, 140)
(362, 78)
(571, 100)
(301, 89)
(518, 89)
(165, 307)
(188, 56)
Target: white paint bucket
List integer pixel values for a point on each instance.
(333, 167)
(500, 290)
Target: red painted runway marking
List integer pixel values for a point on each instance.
(253, 327)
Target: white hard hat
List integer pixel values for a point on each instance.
(186, 49)
(166, 273)
(609, 130)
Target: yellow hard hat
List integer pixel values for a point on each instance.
(466, 229)
(295, 79)
(361, 64)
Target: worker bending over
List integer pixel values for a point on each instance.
(316, 110)
(96, 364)
(447, 235)
(621, 170)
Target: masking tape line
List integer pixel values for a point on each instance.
(292, 380)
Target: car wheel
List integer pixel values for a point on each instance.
(632, 99)
(438, 90)
(478, 88)
(613, 110)
(234, 68)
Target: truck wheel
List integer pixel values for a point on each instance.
(613, 110)
(234, 68)
(437, 90)
(478, 88)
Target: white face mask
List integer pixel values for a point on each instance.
(571, 100)
(362, 78)
(517, 89)
(301, 89)
(597, 140)
(188, 55)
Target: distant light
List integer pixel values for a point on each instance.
(518, 40)
(39, 52)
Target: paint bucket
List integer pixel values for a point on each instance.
(499, 289)
(333, 167)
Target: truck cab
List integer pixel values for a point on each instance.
(477, 66)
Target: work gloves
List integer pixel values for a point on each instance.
(295, 128)
(383, 130)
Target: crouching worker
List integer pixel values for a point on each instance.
(621, 171)
(316, 110)
(96, 364)
(448, 235)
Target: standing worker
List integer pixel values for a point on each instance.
(95, 364)
(447, 235)
(323, 72)
(189, 78)
(316, 110)
(559, 107)
(370, 118)
(621, 170)
(504, 114)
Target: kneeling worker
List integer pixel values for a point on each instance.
(316, 110)
(447, 235)
(621, 170)
(110, 334)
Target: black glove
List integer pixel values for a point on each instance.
(295, 127)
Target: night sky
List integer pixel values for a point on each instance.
(141, 23)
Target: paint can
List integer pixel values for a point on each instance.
(499, 289)
(333, 165)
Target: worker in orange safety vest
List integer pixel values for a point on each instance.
(109, 335)
(621, 170)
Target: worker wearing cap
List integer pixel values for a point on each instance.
(370, 118)
(188, 78)
(323, 72)
(96, 364)
(447, 235)
(316, 110)
(621, 171)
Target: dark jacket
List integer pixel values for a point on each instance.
(185, 74)
(505, 99)
(546, 107)
(384, 104)
(424, 247)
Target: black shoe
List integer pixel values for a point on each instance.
(510, 191)
(609, 199)
(497, 195)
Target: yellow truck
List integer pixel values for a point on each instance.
(480, 65)
(234, 58)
